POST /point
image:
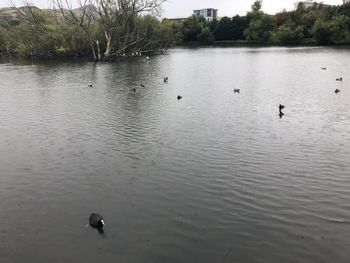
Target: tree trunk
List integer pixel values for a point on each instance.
(126, 39)
(93, 51)
(98, 50)
(108, 51)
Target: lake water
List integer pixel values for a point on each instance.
(214, 177)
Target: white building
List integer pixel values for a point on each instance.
(208, 13)
(305, 3)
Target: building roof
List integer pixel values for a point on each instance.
(205, 9)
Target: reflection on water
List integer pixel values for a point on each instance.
(214, 177)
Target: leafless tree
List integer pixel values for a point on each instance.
(30, 14)
(116, 18)
(83, 17)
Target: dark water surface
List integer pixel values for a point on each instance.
(214, 177)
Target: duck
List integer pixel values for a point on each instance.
(96, 221)
(236, 91)
(142, 85)
(134, 89)
(90, 85)
(339, 79)
(179, 97)
(336, 91)
(323, 68)
(281, 107)
(166, 79)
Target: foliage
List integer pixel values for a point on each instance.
(321, 32)
(319, 24)
(170, 33)
(230, 29)
(259, 29)
(223, 29)
(287, 34)
(206, 37)
(105, 30)
(340, 30)
(29, 39)
(260, 26)
(192, 27)
(2, 39)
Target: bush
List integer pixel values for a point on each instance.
(321, 32)
(206, 37)
(287, 35)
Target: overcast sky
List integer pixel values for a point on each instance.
(183, 8)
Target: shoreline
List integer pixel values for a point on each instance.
(216, 44)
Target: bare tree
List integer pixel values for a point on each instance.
(30, 14)
(116, 18)
(83, 17)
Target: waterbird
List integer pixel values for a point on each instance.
(142, 85)
(323, 68)
(336, 91)
(281, 107)
(147, 57)
(134, 89)
(339, 79)
(281, 114)
(90, 85)
(96, 221)
(179, 97)
(166, 79)
(236, 91)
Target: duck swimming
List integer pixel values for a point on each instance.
(96, 221)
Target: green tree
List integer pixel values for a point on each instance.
(321, 32)
(256, 9)
(287, 35)
(224, 30)
(239, 24)
(206, 37)
(192, 27)
(260, 26)
(339, 29)
(281, 18)
(259, 30)
(170, 33)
